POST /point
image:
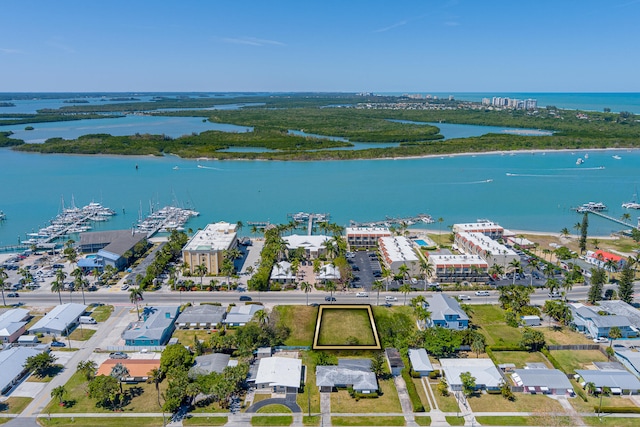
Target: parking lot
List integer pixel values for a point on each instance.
(366, 269)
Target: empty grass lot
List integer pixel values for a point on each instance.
(82, 334)
(310, 386)
(524, 421)
(284, 420)
(339, 325)
(564, 336)
(520, 358)
(367, 421)
(205, 421)
(341, 402)
(15, 405)
(523, 403)
(592, 401)
(102, 313)
(102, 422)
(301, 320)
(570, 360)
(490, 319)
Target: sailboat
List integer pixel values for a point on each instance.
(633, 204)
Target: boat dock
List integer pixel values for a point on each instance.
(610, 218)
(166, 219)
(302, 217)
(391, 221)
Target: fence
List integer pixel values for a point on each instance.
(140, 348)
(574, 347)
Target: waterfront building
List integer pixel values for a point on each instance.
(397, 251)
(603, 259)
(110, 246)
(488, 249)
(208, 246)
(488, 228)
(314, 246)
(457, 268)
(365, 237)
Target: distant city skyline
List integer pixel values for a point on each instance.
(372, 46)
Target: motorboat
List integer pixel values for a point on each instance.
(579, 161)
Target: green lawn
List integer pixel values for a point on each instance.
(145, 398)
(520, 358)
(455, 421)
(423, 421)
(445, 403)
(417, 382)
(15, 405)
(48, 375)
(301, 320)
(205, 421)
(610, 422)
(341, 402)
(570, 360)
(82, 334)
(593, 401)
(346, 327)
(274, 408)
(102, 313)
(524, 421)
(310, 386)
(284, 420)
(185, 336)
(367, 421)
(102, 422)
(490, 319)
(523, 403)
(564, 336)
(313, 420)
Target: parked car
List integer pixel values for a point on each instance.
(314, 304)
(58, 344)
(118, 355)
(329, 298)
(482, 293)
(464, 297)
(125, 287)
(362, 294)
(245, 298)
(13, 295)
(554, 295)
(601, 340)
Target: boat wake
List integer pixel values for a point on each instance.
(484, 181)
(537, 175)
(208, 167)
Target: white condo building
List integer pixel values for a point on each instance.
(365, 237)
(476, 243)
(398, 250)
(488, 228)
(207, 246)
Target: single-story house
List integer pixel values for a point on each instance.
(586, 319)
(280, 374)
(621, 308)
(630, 359)
(328, 272)
(601, 259)
(394, 360)
(155, 329)
(13, 324)
(201, 316)
(544, 381)
(355, 373)
(531, 320)
(620, 381)
(447, 313)
(28, 340)
(281, 273)
(240, 315)
(59, 321)
(138, 368)
(483, 370)
(12, 362)
(205, 364)
(420, 362)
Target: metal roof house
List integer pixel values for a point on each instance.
(587, 320)
(215, 362)
(282, 273)
(618, 380)
(355, 373)
(202, 316)
(155, 329)
(484, 371)
(280, 374)
(59, 321)
(110, 245)
(420, 362)
(12, 324)
(447, 313)
(544, 381)
(241, 315)
(12, 363)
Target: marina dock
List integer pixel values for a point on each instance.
(395, 222)
(166, 219)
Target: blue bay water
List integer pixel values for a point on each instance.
(537, 196)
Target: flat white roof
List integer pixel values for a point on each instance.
(487, 244)
(313, 243)
(279, 371)
(478, 226)
(59, 318)
(214, 237)
(456, 260)
(398, 249)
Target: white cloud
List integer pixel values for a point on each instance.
(252, 41)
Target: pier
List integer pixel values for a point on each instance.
(610, 218)
(166, 219)
(391, 221)
(302, 217)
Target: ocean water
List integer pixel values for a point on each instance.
(524, 191)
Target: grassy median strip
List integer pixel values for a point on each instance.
(15, 405)
(102, 421)
(205, 421)
(423, 421)
(367, 421)
(284, 420)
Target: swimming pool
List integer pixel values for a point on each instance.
(421, 242)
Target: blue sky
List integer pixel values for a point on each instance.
(347, 45)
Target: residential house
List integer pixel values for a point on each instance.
(394, 361)
(629, 358)
(483, 370)
(208, 363)
(313, 246)
(12, 362)
(13, 324)
(139, 369)
(587, 320)
(446, 313)
(208, 247)
(155, 329)
(328, 272)
(240, 315)
(420, 362)
(620, 381)
(279, 374)
(281, 273)
(543, 380)
(202, 316)
(59, 321)
(621, 308)
(354, 373)
(604, 259)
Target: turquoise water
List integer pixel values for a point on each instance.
(537, 195)
(421, 242)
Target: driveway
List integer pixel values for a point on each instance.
(289, 402)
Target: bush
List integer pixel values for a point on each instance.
(411, 390)
(218, 304)
(275, 287)
(618, 409)
(253, 303)
(580, 392)
(552, 359)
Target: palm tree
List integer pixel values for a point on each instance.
(405, 289)
(515, 269)
(119, 371)
(553, 285)
(614, 334)
(57, 286)
(306, 287)
(427, 270)
(611, 266)
(262, 317)
(595, 242)
(3, 276)
(626, 217)
(27, 277)
(155, 377)
(567, 285)
(79, 281)
(87, 368)
(377, 286)
(331, 287)
(201, 270)
(239, 226)
(135, 295)
(58, 393)
(403, 270)
(496, 270)
(577, 226)
(564, 232)
(590, 387)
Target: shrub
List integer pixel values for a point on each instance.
(411, 390)
(581, 393)
(618, 409)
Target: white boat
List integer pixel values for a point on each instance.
(592, 207)
(617, 157)
(579, 161)
(586, 156)
(631, 205)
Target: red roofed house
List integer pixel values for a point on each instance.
(601, 259)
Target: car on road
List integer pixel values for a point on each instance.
(314, 304)
(245, 298)
(124, 287)
(601, 340)
(118, 355)
(390, 299)
(329, 298)
(482, 293)
(13, 295)
(554, 295)
(57, 344)
(464, 297)
(362, 294)
(355, 268)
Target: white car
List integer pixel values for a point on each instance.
(482, 293)
(601, 340)
(464, 297)
(390, 299)
(362, 294)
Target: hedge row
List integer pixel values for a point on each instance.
(617, 409)
(411, 390)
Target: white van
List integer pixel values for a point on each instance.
(87, 320)
(464, 297)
